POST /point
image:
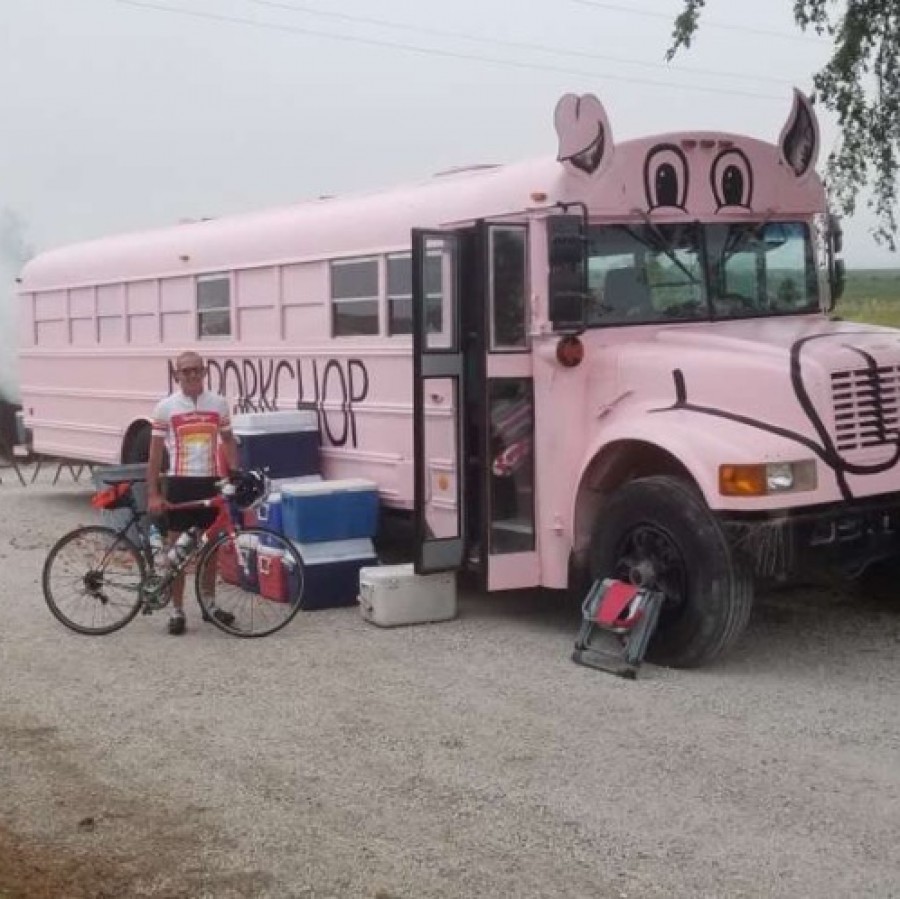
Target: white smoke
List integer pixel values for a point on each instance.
(14, 253)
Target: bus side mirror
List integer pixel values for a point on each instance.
(838, 281)
(836, 233)
(837, 274)
(568, 279)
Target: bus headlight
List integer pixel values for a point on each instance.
(766, 478)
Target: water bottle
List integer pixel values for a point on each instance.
(155, 539)
(182, 547)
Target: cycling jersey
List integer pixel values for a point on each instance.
(191, 430)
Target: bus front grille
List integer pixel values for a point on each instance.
(866, 407)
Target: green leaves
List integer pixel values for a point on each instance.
(860, 84)
(685, 27)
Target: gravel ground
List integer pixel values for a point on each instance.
(463, 759)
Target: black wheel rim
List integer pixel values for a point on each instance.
(648, 557)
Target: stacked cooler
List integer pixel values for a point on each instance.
(283, 444)
(331, 523)
(286, 446)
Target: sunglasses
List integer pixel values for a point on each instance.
(192, 370)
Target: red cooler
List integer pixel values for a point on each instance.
(273, 574)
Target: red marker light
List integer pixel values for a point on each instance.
(569, 352)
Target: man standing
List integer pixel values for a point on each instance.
(191, 423)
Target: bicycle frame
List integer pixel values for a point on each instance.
(131, 575)
(224, 522)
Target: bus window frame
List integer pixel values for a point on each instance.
(334, 302)
(491, 229)
(215, 278)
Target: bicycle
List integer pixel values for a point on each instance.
(248, 580)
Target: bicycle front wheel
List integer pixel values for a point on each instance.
(250, 583)
(92, 580)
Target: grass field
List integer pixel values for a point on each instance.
(872, 296)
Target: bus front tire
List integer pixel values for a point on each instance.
(659, 533)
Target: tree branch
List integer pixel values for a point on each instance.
(860, 84)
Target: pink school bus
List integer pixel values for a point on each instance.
(618, 361)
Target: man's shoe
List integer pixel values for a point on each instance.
(176, 624)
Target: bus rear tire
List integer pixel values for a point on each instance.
(659, 533)
(137, 448)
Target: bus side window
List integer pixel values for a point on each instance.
(214, 306)
(508, 286)
(511, 409)
(438, 271)
(354, 297)
(399, 293)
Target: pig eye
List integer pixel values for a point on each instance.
(732, 179)
(666, 177)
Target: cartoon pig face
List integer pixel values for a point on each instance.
(586, 147)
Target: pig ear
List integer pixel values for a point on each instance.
(585, 139)
(799, 140)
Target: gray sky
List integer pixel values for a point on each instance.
(119, 118)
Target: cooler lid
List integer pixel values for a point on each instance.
(388, 572)
(348, 485)
(358, 484)
(278, 484)
(335, 550)
(264, 550)
(244, 430)
(277, 422)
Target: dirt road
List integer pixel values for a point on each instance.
(465, 759)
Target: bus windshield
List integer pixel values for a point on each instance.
(699, 272)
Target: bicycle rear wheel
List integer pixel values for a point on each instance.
(250, 584)
(92, 580)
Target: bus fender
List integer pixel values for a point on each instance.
(667, 444)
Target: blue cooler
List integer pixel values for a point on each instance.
(284, 444)
(331, 571)
(323, 511)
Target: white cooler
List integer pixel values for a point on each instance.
(390, 595)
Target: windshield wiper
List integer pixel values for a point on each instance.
(748, 229)
(663, 244)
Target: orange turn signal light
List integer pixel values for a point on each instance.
(742, 480)
(569, 352)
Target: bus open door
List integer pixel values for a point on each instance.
(474, 404)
